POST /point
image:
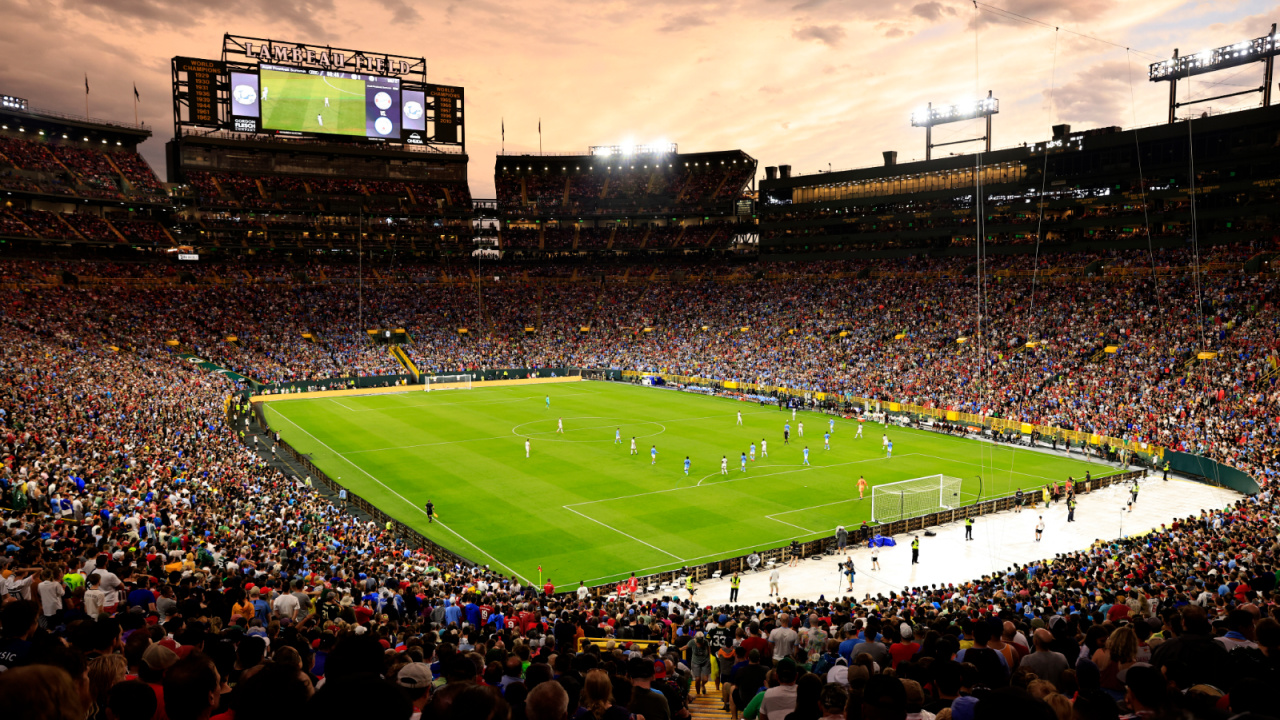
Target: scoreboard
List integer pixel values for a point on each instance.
(274, 88)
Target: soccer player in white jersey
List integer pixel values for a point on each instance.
(800, 429)
(739, 417)
(326, 102)
(724, 464)
(764, 448)
(559, 425)
(320, 119)
(264, 92)
(859, 435)
(634, 451)
(526, 447)
(793, 413)
(884, 441)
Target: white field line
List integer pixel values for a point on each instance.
(515, 434)
(393, 492)
(632, 537)
(348, 408)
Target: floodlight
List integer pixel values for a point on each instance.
(930, 116)
(1245, 51)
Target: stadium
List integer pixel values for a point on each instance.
(654, 431)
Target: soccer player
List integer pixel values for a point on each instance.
(890, 453)
(862, 487)
(617, 436)
(559, 425)
(653, 455)
(801, 429)
(548, 401)
(826, 441)
(753, 452)
(786, 433)
(686, 464)
(884, 441)
(806, 454)
(326, 102)
(743, 462)
(526, 447)
(739, 417)
(264, 92)
(724, 464)
(764, 448)
(793, 412)
(859, 435)
(634, 451)
(320, 119)
(831, 424)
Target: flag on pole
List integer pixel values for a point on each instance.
(504, 129)
(135, 92)
(86, 83)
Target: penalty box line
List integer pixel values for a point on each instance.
(802, 468)
(393, 492)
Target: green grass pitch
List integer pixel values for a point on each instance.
(293, 100)
(584, 508)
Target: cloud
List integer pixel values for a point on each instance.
(932, 11)
(829, 35)
(684, 21)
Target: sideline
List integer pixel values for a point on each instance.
(395, 389)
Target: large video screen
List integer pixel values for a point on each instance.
(298, 100)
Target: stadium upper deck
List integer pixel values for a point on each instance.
(255, 193)
(77, 179)
(615, 198)
(1090, 181)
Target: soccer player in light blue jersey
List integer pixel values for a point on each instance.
(686, 464)
(806, 454)
(653, 455)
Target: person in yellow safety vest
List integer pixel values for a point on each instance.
(1166, 471)
(688, 585)
(734, 583)
(968, 528)
(915, 551)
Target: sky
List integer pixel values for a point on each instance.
(816, 84)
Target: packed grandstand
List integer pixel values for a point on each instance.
(159, 562)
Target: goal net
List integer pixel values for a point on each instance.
(895, 501)
(447, 382)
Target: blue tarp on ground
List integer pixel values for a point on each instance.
(882, 541)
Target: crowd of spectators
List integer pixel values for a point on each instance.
(155, 566)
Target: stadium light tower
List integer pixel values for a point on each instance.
(929, 116)
(1263, 49)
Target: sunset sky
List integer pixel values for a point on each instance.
(804, 82)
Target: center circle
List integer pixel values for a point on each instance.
(545, 430)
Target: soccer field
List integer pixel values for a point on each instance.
(292, 101)
(584, 508)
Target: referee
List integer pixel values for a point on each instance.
(431, 511)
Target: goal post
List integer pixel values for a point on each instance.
(446, 382)
(891, 502)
